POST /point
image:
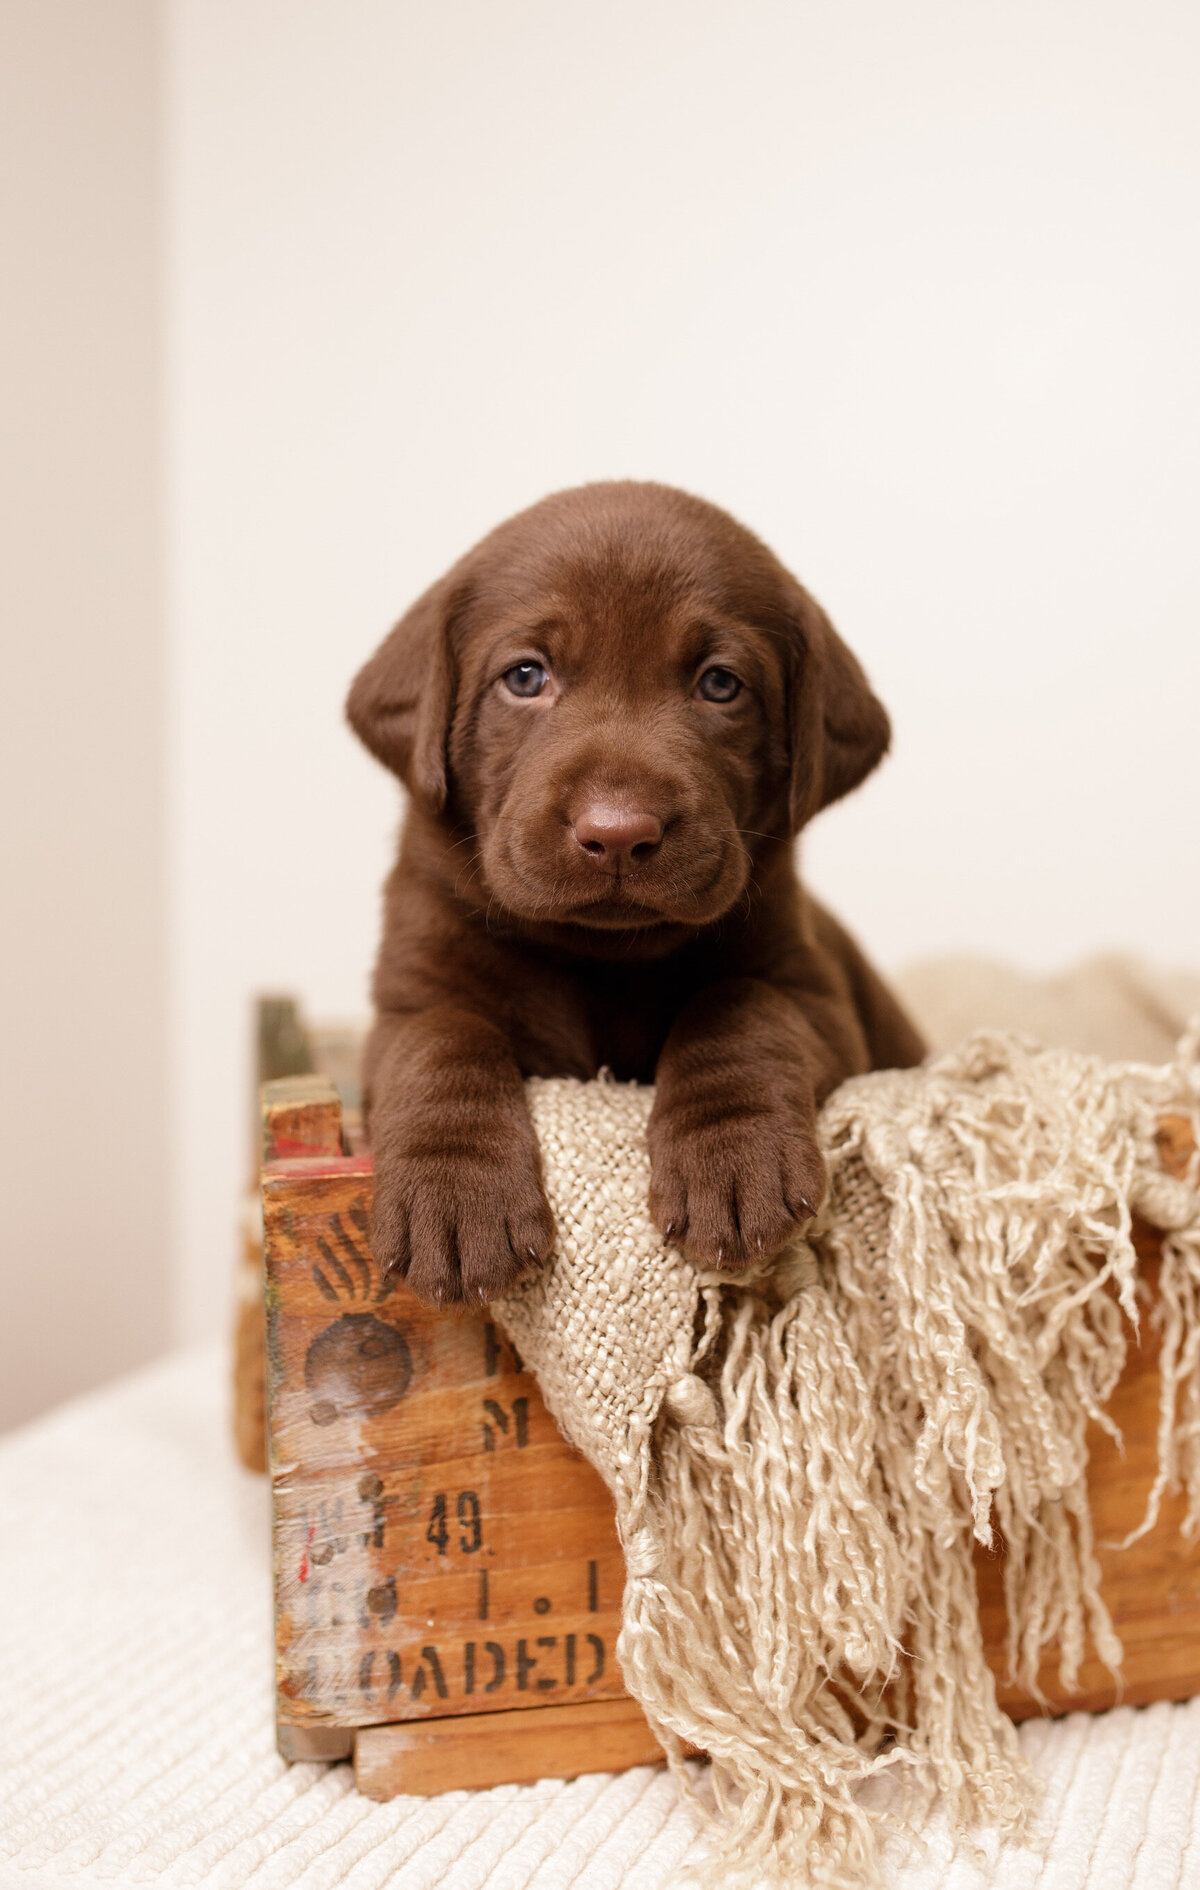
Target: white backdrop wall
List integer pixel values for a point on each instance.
(83, 950)
(913, 290)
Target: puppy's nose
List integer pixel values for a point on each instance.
(616, 837)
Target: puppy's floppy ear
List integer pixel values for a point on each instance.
(839, 728)
(402, 700)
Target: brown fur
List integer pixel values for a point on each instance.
(602, 875)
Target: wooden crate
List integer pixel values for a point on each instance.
(1152, 1588)
(447, 1572)
(285, 1045)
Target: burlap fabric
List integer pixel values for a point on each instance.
(801, 1459)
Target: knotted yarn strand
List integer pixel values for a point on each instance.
(802, 1459)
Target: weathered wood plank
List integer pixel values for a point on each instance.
(439, 1549)
(444, 1561)
(1151, 1588)
(511, 1748)
(301, 1117)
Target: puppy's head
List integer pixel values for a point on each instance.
(621, 694)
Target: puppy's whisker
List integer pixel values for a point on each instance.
(750, 891)
(462, 887)
(472, 865)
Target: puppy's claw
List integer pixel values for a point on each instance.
(533, 1254)
(669, 1231)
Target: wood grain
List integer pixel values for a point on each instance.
(1152, 1587)
(511, 1748)
(249, 1344)
(442, 1555)
(438, 1548)
(301, 1116)
(283, 1048)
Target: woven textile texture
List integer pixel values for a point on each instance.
(801, 1460)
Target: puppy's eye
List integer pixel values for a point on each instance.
(718, 685)
(525, 679)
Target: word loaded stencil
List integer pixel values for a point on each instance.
(438, 1548)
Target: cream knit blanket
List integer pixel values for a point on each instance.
(801, 1459)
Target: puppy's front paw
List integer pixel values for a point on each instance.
(461, 1224)
(731, 1193)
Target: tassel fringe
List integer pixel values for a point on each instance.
(803, 1459)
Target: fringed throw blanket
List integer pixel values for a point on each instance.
(801, 1459)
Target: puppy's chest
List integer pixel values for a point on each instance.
(627, 1038)
(598, 1021)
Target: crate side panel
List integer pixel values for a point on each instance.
(438, 1547)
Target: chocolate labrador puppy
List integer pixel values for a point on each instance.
(613, 716)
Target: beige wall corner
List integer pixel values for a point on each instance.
(81, 701)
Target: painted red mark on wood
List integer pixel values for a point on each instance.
(312, 1530)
